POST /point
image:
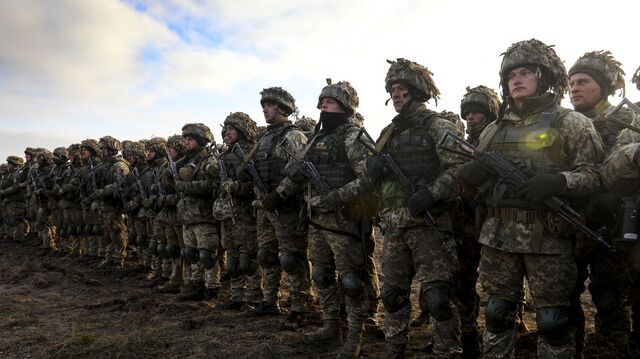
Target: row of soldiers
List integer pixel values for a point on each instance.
(536, 191)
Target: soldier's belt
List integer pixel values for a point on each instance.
(513, 214)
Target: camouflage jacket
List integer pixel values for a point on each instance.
(150, 179)
(67, 191)
(131, 196)
(111, 174)
(620, 171)
(84, 181)
(608, 130)
(197, 171)
(241, 191)
(15, 184)
(574, 146)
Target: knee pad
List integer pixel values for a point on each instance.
(394, 298)
(206, 258)
(323, 276)
(268, 258)
(191, 254)
(438, 301)
(553, 325)
(232, 266)
(352, 285)
(290, 261)
(173, 250)
(162, 251)
(500, 314)
(247, 264)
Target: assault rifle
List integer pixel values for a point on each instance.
(404, 182)
(174, 170)
(143, 192)
(512, 175)
(224, 176)
(94, 182)
(257, 181)
(308, 169)
(611, 112)
(159, 184)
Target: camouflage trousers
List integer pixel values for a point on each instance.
(113, 241)
(419, 254)
(46, 229)
(330, 254)
(240, 241)
(611, 276)
(370, 277)
(551, 279)
(72, 220)
(142, 234)
(16, 221)
(203, 236)
(464, 281)
(61, 235)
(291, 242)
(91, 231)
(174, 269)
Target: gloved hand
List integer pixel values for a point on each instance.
(180, 186)
(376, 167)
(326, 203)
(229, 186)
(272, 201)
(293, 170)
(420, 201)
(540, 187)
(475, 173)
(241, 174)
(148, 202)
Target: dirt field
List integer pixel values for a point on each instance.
(58, 308)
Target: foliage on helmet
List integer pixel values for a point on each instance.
(136, 150)
(415, 75)
(4, 168)
(198, 131)
(261, 131)
(61, 153)
(280, 96)
(636, 78)
(44, 155)
(535, 53)
(242, 123)
(31, 151)
(483, 96)
(156, 144)
(343, 92)
(15, 160)
(178, 143)
(74, 150)
(110, 143)
(306, 123)
(91, 144)
(453, 118)
(357, 119)
(604, 68)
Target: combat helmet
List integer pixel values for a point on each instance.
(418, 77)
(90, 144)
(243, 124)
(110, 143)
(31, 151)
(603, 68)
(552, 73)
(136, 150)
(157, 145)
(636, 78)
(480, 99)
(358, 120)
(178, 143)
(15, 160)
(306, 123)
(343, 92)
(199, 131)
(61, 154)
(280, 96)
(44, 156)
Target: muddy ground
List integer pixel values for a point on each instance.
(53, 307)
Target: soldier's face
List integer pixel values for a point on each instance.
(400, 96)
(85, 154)
(151, 155)
(522, 83)
(28, 157)
(474, 117)
(230, 135)
(132, 159)
(173, 153)
(329, 104)
(191, 143)
(584, 91)
(270, 111)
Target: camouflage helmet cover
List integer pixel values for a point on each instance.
(61, 153)
(201, 132)
(74, 150)
(110, 143)
(177, 142)
(243, 123)
(279, 96)
(135, 149)
(4, 168)
(415, 75)
(343, 92)
(261, 131)
(636, 78)
(483, 96)
(358, 119)
(15, 160)
(535, 53)
(44, 155)
(31, 151)
(604, 68)
(156, 144)
(90, 144)
(306, 123)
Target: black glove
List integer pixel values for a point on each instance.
(475, 173)
(241, 174)
(540, 187)
(272, 201)
(420, 201)
(376, 167)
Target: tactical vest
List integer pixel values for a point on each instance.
(608, 134)
(232, 160)
(329, 156)
(270, 167)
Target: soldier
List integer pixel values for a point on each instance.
(30, 199)
(559, 149)
(634, 296)
(156, 149)
(593, 78)
(335, 231)
(282, 242)
(307, 125)
(41, 185)
(14, 199)
(411, 246)
(138, 237)
(111, 174)
(70, 201)
(4, 180)
(173, 244)
(86, 182)
(62, 167)
(239, 223)
(196, 185)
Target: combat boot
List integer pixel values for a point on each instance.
(294, 321)
(168, 288)
(395, 351)
(351, 348)
(194, 291)
(263, 309)
(331, 330)
(471, 344)
(157, 281)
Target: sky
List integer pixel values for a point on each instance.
(132, 69)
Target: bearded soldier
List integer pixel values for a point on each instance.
(559, 149)
(136, 155)
(238, 222)
(335, 231)
(69, 202)
(170, 248)
(593, 78)
(111, 174)
(412, 247)
(196, 186)
(281, 237)
(14, 199)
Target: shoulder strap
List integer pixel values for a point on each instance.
(385, 138)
